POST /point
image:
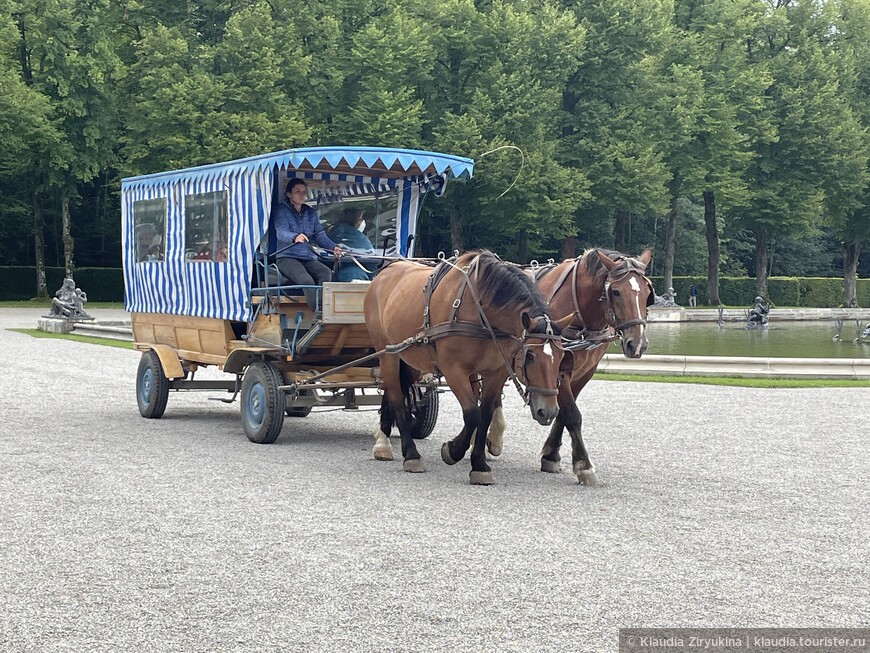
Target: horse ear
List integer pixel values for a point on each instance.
(606, 261)
(527, 321)
(646, 257)
(564, 322)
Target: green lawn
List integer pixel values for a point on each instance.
(109, 342)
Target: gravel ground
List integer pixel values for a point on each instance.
(717, 507)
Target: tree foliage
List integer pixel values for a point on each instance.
(625, 112)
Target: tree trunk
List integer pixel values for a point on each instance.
(670, 245)
(621, 229)
(68, 242)
(39, 245)
(455, 229)
(851, 256)
(712, 249)
(761, 263)
(569, 248)
(523, 246)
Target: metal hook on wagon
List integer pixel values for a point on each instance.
(519, 172)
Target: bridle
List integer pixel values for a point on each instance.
(548, 336)
(618, 274)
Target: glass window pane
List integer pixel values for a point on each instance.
(149, 228)
(206, 226)
(362, 223)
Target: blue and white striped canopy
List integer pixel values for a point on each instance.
(222, 289)
(366, 161)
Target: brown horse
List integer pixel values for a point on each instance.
(483, 313)
(607, 295)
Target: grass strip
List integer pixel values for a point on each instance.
(737, 382)
(108, 342)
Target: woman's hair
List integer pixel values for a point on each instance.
(293, 183)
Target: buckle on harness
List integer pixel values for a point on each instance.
(456, 302)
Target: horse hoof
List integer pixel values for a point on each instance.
(551, 466)
(445, 455)
(586, 476)
(414, 465)
(495, 448)
(383, 453)
(481, 478)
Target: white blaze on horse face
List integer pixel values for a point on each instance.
(548, 350)
(635, 286)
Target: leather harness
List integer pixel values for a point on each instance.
(481, 329)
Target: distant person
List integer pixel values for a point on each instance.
(693, 295)
(296, 226)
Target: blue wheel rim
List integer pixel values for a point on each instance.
(255, 406)
(146, 385)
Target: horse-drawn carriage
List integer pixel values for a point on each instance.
(203, 291)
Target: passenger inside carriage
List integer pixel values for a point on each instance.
(349, 232)
(296, 226)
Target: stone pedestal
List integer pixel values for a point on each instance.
(55, 325)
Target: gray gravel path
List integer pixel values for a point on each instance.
(717, 507)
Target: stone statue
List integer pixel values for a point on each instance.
(758, 314)
(666, 299)
(69, 302)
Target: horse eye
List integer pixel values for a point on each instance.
(615, 293)
(530, 357)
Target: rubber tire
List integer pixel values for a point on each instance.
(262, 403)
(152, 386)
(426, 414)
(304, 411)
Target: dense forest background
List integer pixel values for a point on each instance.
(730, 134)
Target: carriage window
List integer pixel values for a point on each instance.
(362, 224)
(206, 225)
(149, 227)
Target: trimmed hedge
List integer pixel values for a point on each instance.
(107, 285)
(100, 284)
(817, 292)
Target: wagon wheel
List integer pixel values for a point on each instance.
(152, 386)
(424, 411)
(300, 411)
(262, 403)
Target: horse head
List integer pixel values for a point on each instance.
(539, 364)
(628, 293)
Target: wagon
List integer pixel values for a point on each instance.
(203, 291)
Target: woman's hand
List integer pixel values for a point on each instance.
(300, 238)
(337, 251)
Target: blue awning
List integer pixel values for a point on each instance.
(384, 163)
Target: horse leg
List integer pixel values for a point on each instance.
(495, 434)
(396, 393)
(582, 466)
(454, 450)
(551, 458)
(481, 474)
(382, 449)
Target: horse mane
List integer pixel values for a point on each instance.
(504, 284)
